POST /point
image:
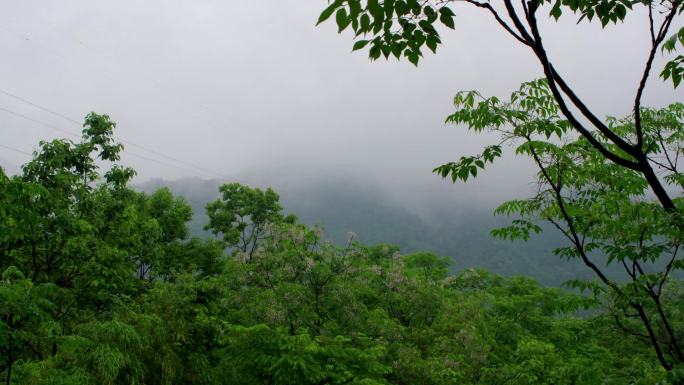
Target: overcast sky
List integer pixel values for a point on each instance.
(254, 88)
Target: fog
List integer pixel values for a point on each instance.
(253, 90)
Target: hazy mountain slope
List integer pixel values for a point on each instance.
(460, 232)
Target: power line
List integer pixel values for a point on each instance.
(72, 120)
(56, 128)
(34, 41)
(157, 161)
(79, 124)
(130, 153)
(39, 106)
(16, 150)
(7, 165)
(58, 54)
(74, 134)
(17, 114)
(10, 169)
(96, 51)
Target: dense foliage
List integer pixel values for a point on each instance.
(339, 205)
(602, 208)
(595, 174)
(101, 285)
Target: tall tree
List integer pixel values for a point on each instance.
(242, 214)
(405, 27)
(600, 207)
(590, 188)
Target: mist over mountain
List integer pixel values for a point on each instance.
(445, 225)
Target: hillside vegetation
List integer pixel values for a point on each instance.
(102, 284)
(460, 232)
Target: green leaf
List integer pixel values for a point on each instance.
(431, 42)
(325, 15)
(446, 11)
(342, 19)
(412, 57)
(447, 18)
(389, 8)
(430, 13)
(426, 26)
(365, 23)
(360, 44)
(374, 52)
(556, 11)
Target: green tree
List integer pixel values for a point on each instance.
(25, 319)
(262, 355)
(81, 252)
(159, 223)
(172, 214)
(594, 174)
(300, 310)
(242, 214)
(600, 207)
(430, 266)
(64, 224)
(403, 28)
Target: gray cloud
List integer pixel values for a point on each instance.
(253, 87)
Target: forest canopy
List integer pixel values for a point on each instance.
(595, 174)
(105, 282)
(102, 285)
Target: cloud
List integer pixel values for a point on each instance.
(254, 87)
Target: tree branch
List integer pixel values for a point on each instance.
(498, 18)
(517, 22)
(575, 237)
(656, 41)
(654, 339)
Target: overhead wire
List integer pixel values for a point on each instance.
(38, 106)
(25, 117)
(51, 126)
(72, 120)
(58, 54)
(91, 48)
(15, 168)
(94, 51)
(73, 134)
(16, 150)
